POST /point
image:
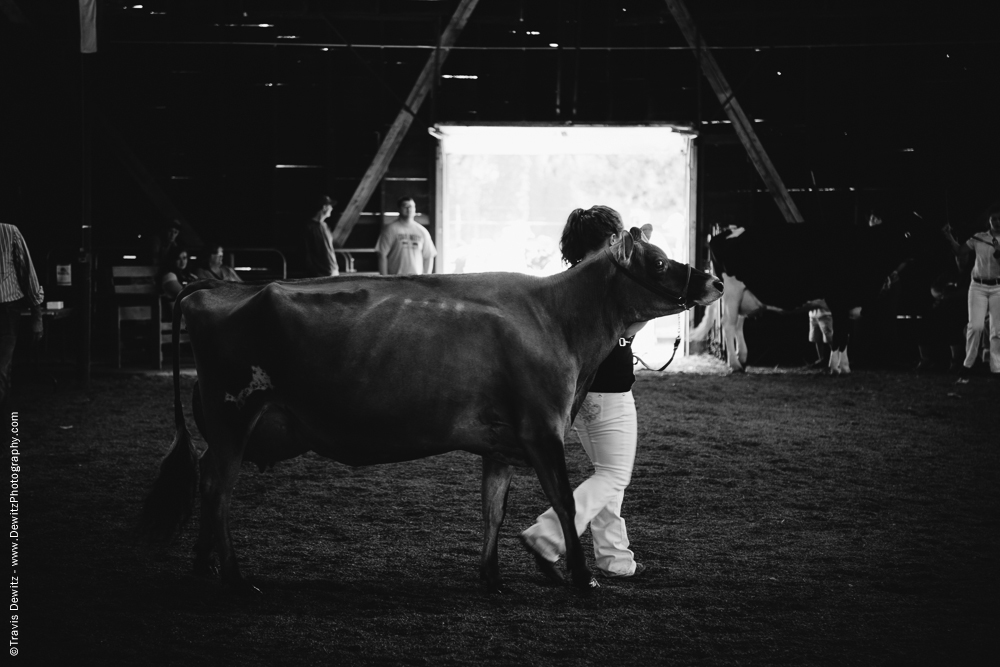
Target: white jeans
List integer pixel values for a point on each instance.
(606, 425)
(983, 299)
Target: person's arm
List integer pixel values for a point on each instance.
(34, 294)
(317, 259)
(171, 285)
(430, 252)
(961, 250)
(231, 275)
(382, 247)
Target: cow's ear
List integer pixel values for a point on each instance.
(623, 249)
(647, 232)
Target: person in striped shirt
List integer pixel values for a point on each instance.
(19, 288)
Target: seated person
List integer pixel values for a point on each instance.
(212, 266)
(174, 273)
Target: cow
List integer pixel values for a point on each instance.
(368, 370)
(798, 267)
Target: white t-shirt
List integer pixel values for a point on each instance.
(987, 266)
(405, 245)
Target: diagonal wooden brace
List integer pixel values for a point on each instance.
(732, 108)
(394, 137)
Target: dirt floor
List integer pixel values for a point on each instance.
(787, 518)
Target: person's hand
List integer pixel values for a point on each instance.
(946, 230)
(37, 327)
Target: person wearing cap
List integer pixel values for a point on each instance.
(984, 290)
(320, 258)
(19, 287)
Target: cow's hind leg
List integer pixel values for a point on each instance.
(218, 475)
(496, 486)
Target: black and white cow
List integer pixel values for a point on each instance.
(797, 267)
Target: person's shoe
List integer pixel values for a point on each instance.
(639, 569)
(546, 567)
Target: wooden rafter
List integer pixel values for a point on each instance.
(394, 137)
(744, 130)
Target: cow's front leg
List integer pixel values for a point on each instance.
(496, 486)
(547, 457)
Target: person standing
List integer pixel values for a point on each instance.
(19, 288)
(606, 424)
(984, 291)
(405, 247)
(320, 258)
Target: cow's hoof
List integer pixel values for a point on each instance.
(493, 583)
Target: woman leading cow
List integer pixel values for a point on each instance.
(606, 424)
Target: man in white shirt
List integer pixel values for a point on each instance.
(405, 247)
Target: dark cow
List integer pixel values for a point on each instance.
(378, 370)
(793, 267)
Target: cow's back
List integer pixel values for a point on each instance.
(381, 369)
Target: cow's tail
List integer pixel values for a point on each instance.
(171, 499)
(708, 320)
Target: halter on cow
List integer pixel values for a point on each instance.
(353, 369)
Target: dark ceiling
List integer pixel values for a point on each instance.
(877, 97)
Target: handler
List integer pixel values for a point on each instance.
(606, 424)
(984, 291)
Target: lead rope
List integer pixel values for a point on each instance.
(677, 344)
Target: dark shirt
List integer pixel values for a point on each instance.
(615, 375)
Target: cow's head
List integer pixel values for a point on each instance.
(666, 286)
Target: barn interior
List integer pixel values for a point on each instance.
(232, 116)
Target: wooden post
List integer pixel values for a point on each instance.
(394, 137)
(744, 130)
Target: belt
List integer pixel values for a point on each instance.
(987, 281)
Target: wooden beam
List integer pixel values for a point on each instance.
(394, 137)
(744, 130)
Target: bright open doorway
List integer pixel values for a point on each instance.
(505, 193)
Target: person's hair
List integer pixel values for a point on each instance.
(321, 201)
(170, 260)
(207, 250)
(588, 230)
(399, 202)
